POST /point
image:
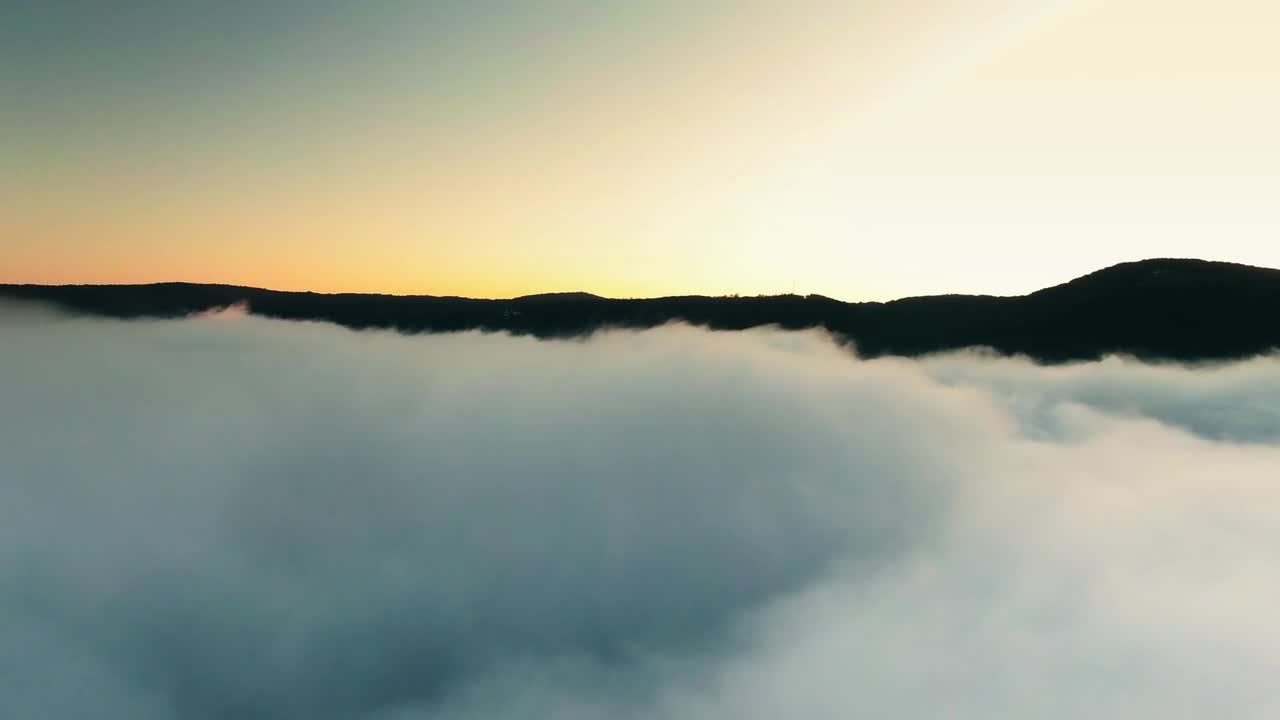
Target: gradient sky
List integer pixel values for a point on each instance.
(862, 150)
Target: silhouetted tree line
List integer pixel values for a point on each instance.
(1155, 309)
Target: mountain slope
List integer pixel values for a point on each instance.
(1158, 309)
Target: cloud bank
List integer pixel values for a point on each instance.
(228, 516)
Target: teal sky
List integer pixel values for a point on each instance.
(858, 149)
(100, 81)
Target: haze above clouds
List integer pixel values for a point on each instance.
(228, 516)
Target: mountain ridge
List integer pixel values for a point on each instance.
(1163, 308)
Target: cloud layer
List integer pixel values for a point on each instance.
(235, 517)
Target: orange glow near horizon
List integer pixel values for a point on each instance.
(869, 152)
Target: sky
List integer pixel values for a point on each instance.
(861, 150)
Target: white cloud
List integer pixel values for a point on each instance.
(239, 517)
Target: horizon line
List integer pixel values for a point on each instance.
(553, 293)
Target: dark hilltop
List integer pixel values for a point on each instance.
(1185, 310)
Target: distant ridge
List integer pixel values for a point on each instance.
(1173, 309)
(1163, 273)
(554, 297)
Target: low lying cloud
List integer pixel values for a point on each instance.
(228, 516)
